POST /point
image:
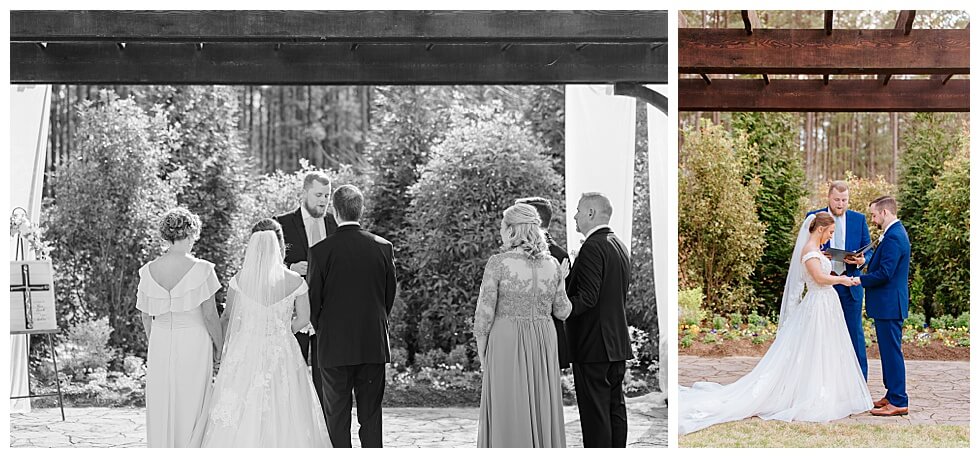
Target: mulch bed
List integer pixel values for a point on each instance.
(935, 351)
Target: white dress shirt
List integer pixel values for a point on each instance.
(316, 230)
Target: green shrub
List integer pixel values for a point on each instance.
(735, 319)
(431, 359)
(486, 160)
(85, 349)
(719, 322)
(963, 321)
(689, 305)
(756, 320)
(944, 237)
(709, 338)
(915, 320)
(103, 222)
(778, 166)
(720, 238)
(942, 322)
(686, 341)
(929, 141)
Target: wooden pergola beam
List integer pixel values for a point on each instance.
(790, 95)
(903, 23)
(945, 78)
(811, 51)
(335, 63)
(345, 26)
(828, 21)
(641, 92)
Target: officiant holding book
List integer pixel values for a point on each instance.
(851, 234)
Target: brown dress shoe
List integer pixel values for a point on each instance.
(889, 410)
(881, 402)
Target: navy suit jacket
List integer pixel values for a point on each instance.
(887, 278)
(856, 237)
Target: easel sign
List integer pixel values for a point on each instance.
(32, 298)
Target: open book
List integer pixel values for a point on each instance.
(839, 255)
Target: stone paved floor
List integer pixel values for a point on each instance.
(939, 391)
(404, 427)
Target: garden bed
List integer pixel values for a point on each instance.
(936, 351)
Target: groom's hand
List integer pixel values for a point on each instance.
(855, 260)
(299, 267)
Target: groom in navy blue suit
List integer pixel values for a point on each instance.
(887, 284)
(851, 234)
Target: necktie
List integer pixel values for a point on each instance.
(839, 244)
(317, 234)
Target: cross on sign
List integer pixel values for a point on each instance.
(27, 288)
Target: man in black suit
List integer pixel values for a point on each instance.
(302, 228)
(545, 210)
(352, 289)
(597, 331)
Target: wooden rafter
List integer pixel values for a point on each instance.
(774, 51)
(751, 21)
(854, 95)
(903, 23)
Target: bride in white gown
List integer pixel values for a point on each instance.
(810, 373)
(263, 394)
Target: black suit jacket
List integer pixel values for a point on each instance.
(294, 234)
(564, 356)
(352, 288)
(597, 287)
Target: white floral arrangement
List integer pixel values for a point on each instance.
(21, 226)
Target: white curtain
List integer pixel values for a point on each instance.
(661, 203)
(600, 142)
(29, 108)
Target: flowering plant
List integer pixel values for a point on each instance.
(21, 226)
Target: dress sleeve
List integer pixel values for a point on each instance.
(811, 255)
(561, 307)
(486, 305)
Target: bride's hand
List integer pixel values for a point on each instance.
(565, 268)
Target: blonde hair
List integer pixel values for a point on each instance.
(522, 229)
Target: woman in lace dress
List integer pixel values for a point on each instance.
(263, 394)
(810, 373)
(176, 298)
(522, 288)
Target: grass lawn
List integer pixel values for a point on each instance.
(756, 433)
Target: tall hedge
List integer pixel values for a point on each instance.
(486, 160)
(720, 235)
(945, 237)
(929, 141)
(104, 224)
(779, 202)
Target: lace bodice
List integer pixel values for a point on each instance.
(520, 288)
(267, 320)
(825, 267)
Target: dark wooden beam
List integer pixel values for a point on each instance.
(334, 63)
(945, 78)
(328, 26)
(811, 51)
(903, 24)
(639, 91)
(864, 95)
(751, 21)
